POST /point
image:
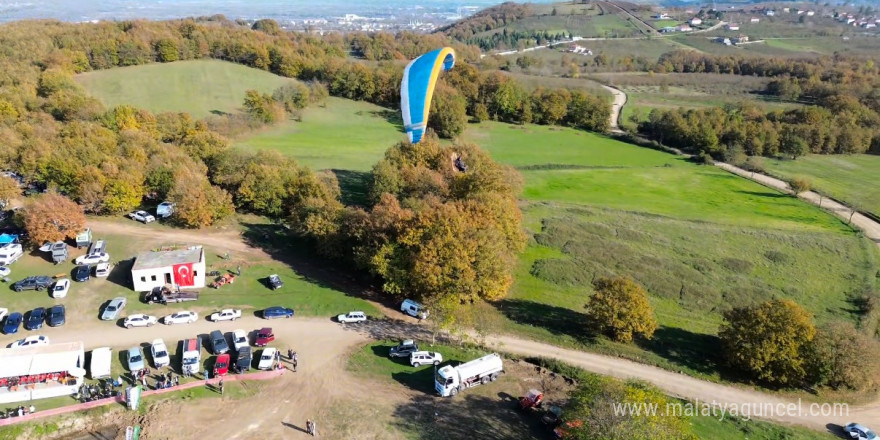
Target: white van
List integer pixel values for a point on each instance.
(9, 253)
(100, 364)
(413, 308)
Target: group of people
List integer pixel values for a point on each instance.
(291, 357)
(167, 380)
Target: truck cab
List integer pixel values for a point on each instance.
(192, 356)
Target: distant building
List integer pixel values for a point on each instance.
(740, 39)
(723, 40)
(685, 28)
(786, 10)
(754, 20)
(733, 27)
(770, 13)
(696, 21)
(661, 16)
(667, 29)
(870, 25)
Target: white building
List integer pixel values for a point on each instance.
(754, 20)
(41, 371)
(184, 267)
(733, 27)
(696, 21)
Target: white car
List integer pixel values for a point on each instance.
(160, 353)
(139, 320)
(30, 340)
(239, 339)
(352, 317)
(102, 270)
(418, 358)
(61, 287)
(5, 271)
(226, 315)
(182, 317)
(267, 359)
(859, 432)
(92, 259)
(3, 312)
(142, 216)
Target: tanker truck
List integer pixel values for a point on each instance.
(450, 380)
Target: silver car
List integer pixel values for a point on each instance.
(113, 308)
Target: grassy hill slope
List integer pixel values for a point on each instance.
(200, 87)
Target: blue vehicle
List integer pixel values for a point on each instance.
(35, 319)
(13, 321)
(277, 312)
(56, 315)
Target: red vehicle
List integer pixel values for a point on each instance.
(221, 366)
(561, 432)
(533, 399)
(265, 336)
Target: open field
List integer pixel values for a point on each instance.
(591, 25)
(851, 178)
(348, 135)
(199, 87)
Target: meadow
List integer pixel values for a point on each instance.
(849, 178)
(200, 87)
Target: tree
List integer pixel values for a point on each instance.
(293, 96)
(769, 341)
(9, 190)
(261, 107)
(197, 203)
(800, 184)
(52, 217)
(619, 308)
(842, 357)
(166, 51)
(448, 116)
(267, 25)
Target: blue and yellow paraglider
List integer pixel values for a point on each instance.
(417, 88)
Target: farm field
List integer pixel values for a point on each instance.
(584, 25)
(200, 87)
(849, 178)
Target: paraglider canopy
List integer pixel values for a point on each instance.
(417, 88)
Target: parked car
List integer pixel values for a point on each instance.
(243, 359)
(38, 283)
(102, 270)
(226, 315)
(141, 216)
(277, 312)
(859, 432)
(160, 353)
(139, 320)
(30, 341)
(274, 282)
(82, 273)
(221, 365)
(267, 359)
(352, 317)
(135, 359)
(56, 315)
(404, 349)
(5, 271)
(3, 312)
(264, 337)
(413, 309)
(419, 358)
(218, 342)
(101, 257)
(239, 339)
(13, 321)
(61, 287)
(182, 317)
(113, 308)
(35, 318)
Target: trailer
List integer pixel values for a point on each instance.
(164, 295)
(99, 367)
(59, 252)
(450, 380)
(84, 238)
(192, 356)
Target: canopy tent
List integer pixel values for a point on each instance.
(40, 371)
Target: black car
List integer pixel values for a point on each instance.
(243, 361)
(218, 342)
(274, 281)
(82, 273)
(56, 315)
(35, 319)
(12, 322)
(404, 349)
(277, 312)
(33, 283)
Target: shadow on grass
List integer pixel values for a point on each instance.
(469, 416)
(389, 115)
(354, 186)
(120, 273)
(768, 194)
(557, 320)
(698, 352)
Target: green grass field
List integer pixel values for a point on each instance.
(348, 135)
(200, 87)
(850, 178)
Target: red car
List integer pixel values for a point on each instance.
(265, 336)
(221, 366)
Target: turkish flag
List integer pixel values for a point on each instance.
(183, 274)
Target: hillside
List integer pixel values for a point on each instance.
(200, 87)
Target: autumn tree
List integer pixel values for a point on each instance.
(9, 190)
(294, 96)
(198, 204)
(619, 308)
(262, 107)
(769, 341)
(52, 217)
(166, 51)
(448, 112)
(842, 357)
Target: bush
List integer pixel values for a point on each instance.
(620, 309)
(800, 185)
(843, 357)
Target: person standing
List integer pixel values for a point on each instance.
(309, 427)
(221, 386)
(290, 354)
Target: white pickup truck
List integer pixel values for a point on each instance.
(226, 315)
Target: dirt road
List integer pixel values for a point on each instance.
(616, 107)
(870, 227)
(227, 240)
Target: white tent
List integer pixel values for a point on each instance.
(36, 360)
